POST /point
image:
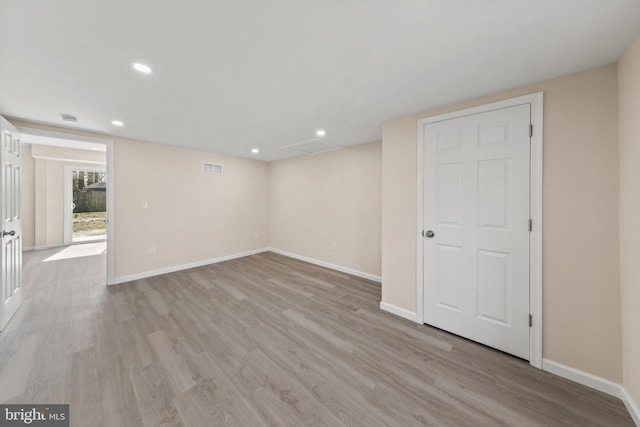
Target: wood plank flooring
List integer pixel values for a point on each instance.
(261, 341)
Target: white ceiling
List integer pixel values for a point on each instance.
(230, 75)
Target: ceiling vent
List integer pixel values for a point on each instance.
(69, 118)
(312, 146)
(212, 168)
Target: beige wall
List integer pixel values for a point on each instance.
(329, 197)
(191, 216)
(43, 191)
(581, 272)
(629, 132)
(28, 198)
(582, 325)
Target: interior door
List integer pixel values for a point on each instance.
(476, 227)
(11, 233)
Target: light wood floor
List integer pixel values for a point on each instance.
(261, 341)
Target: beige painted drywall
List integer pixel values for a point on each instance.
(629, 139)
(581, 272)
(192, 216)
(329, 197)
(580, 262)
(28, 198)
(41, 204)
(43, 191)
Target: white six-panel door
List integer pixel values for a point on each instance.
(476, 222)
(11, 232)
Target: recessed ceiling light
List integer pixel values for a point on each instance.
(117, 123)
(255, 150)
(142, 68)
(321, 132)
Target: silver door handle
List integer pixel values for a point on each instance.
(8, 233)
(428, 233)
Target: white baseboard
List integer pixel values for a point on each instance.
(143, 275)
(595, 382)
(631, 405)
(582, 377)
(28, 248)
(328, 265)
(409, 315)
(42, 248)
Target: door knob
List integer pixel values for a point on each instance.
(428, 233)
(8, 233)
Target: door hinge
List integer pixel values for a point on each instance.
(530, 320)
(530, 225)
(530, 131)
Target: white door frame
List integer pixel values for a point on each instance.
(110, 187)
(535, 243)
(68, 198)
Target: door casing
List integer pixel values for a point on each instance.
(535, 261)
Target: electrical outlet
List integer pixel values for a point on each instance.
(256, 236)
(334, 246)
(144, 204)
(152, 250)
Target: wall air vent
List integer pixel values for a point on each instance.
(312, 146)
(69, 118)
(212, 168)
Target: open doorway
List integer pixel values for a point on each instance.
(85, 204)
(67, 200)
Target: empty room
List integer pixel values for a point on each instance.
(361, 213)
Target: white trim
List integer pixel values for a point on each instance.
(329, 265)
(143, 275)
(61, 245)
(582, 377)
(111, 208)
(631, 405)
(61, 159)
(45, 247)
(406, 314)
(535, 241)
(62, 135)
(67, 195)
(535, 262)
(595, 382)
